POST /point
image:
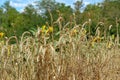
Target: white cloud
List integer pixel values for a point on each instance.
(14, 4)
(17, 0)
(21, 4)
(86, 3)
(21, 10)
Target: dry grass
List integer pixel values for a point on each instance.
(72, 57)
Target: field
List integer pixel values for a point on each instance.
(72, 56)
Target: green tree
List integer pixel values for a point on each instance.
(93, 12)
(46, 4)
(111, 11)
(51, 10)
(77, 10)
(8, 17)
(1, 14)
(28, 19)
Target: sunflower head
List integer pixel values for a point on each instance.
(1, 34)
(97, 39)
(73, 32)
(43, 28)
(109, 45)
(50, 29)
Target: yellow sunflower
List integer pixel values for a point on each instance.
(1, 34)
(50, 29)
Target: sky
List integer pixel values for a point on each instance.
(21, 4)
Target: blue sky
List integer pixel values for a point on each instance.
(20, 4)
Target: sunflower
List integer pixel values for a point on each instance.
(97, 39)
(1, 34)
(73, 32)
(43, 29)
(50, 29)
(109, 44)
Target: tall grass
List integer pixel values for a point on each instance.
(71, 57)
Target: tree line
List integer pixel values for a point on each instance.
(48, 12)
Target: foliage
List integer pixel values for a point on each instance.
(52, 13)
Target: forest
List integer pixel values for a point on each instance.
(46, 12)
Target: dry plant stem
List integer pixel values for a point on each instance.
(13, 37)
(51, 17)
(51, 22)
(110, 27)
(23, 35)
(74, 18)
(117, 32)
(66, 25)
(89, 27)
(84, 24)
(97, 32)
(99, 23)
